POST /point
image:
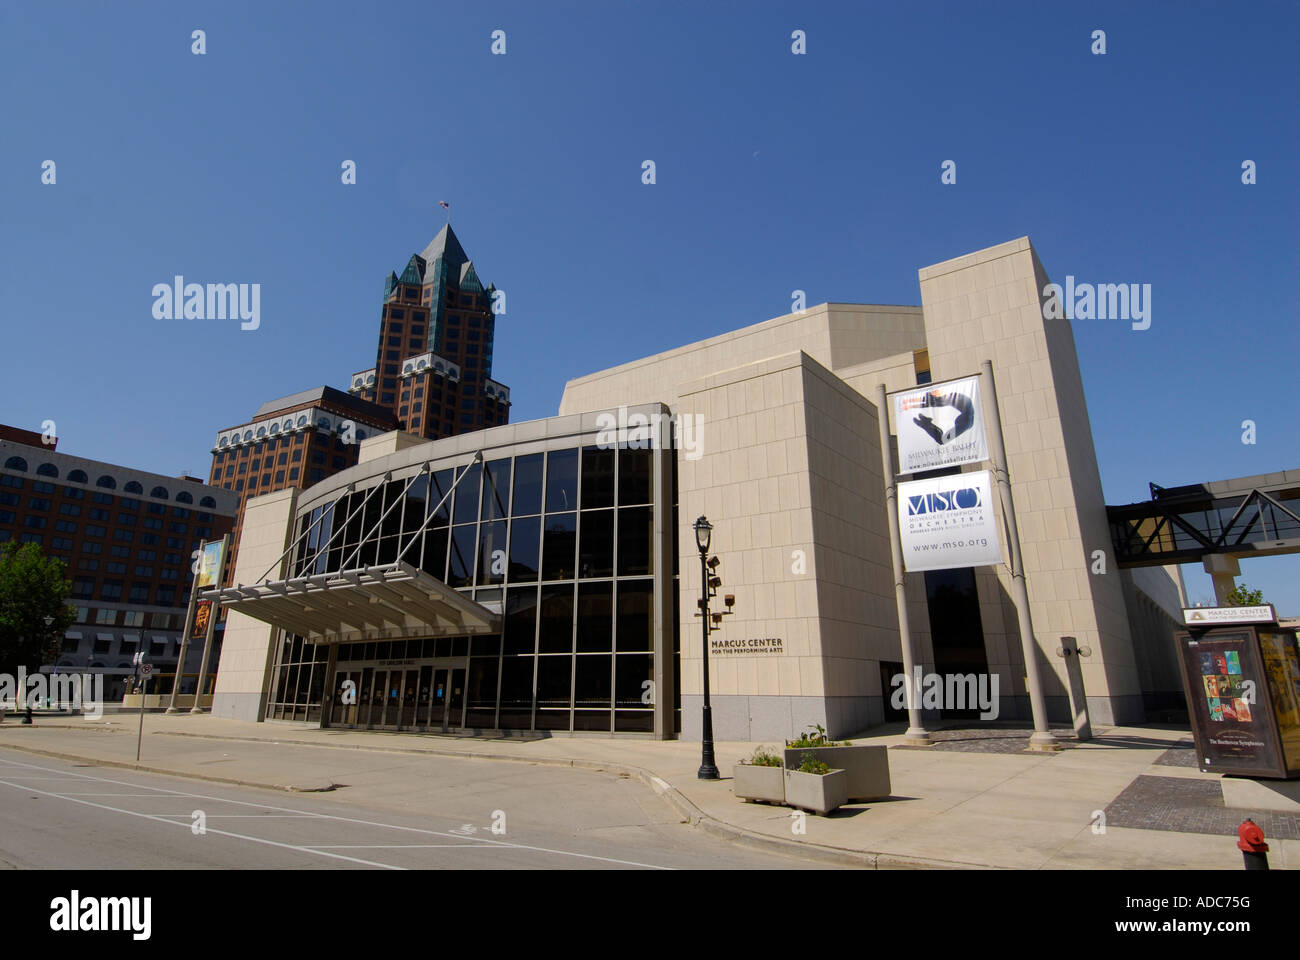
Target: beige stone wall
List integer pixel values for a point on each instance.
(834, 334)
(987, 305)
(243, 676)
(790, 478)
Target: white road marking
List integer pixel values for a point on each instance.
(223, 833)
(304, 814)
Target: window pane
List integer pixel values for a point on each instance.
(592, 684)
(635, 541)
(634, 473)
(461, 564)
(442, 481)
(595, 617)
(435, 552)
(596, 552)
(516, 693)
(555, 633)
(559, 547)
(467, 494)
(492, 552)
(496, 490)
(635, 615)
(597, 477)
(633, 680)
(519, 624)
(528, 485)
(553, 684)
(562, 480)
(482, 692)
(525, 548)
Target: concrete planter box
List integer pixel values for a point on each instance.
(759, 783)
(866, 768)
(820, 793)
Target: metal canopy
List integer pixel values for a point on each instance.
(389, 602)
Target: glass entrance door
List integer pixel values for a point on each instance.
(378, 694)
(392, 700)
(438, 701)
(406, 718)
(456, 700)
(344, 714)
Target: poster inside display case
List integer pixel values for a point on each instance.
(1231, 703)
(1282, 668)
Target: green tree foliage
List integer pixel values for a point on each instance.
(32, 587)
(1242, 596)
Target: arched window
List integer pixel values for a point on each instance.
(107, 482)
(208, 502)
(184, 497)
(16, 463)
(47, 470)
(159, 492)
(133, 486)
(78, 476)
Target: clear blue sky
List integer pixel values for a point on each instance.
(775, 172)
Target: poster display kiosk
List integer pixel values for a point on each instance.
(1242, 681)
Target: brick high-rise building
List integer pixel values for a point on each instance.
(432, 377)
(127, 537)
(433, 365)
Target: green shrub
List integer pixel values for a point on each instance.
(812, 765)
(762, 758)
(814, 737)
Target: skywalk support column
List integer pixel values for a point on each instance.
(916, 732)
(1042, 738)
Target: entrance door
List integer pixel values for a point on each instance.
(456, 700)
(378, 694)
(423, 696)
(406, 719)
(345, 714)
(438, 701)
(392, 699)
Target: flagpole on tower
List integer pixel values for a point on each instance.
(446, 206)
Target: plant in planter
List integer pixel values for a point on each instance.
(760, 777)
(866, 767)
(815, 786)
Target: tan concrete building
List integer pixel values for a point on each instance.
(556, 589)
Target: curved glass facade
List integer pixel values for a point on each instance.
(561, 544)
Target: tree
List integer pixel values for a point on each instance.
(32, 588)
(1242, 596)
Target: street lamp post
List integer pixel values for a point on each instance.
(708, 767)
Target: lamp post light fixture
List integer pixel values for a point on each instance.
(709, 583)
(708, 767)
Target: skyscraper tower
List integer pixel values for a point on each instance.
(433, 364)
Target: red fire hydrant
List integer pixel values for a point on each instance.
(1250, 841)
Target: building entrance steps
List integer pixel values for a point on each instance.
(951, 807)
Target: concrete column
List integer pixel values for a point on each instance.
(1222, 570)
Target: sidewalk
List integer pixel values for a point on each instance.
(950, 807)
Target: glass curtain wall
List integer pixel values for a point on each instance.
(561, 542)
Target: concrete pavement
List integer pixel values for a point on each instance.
(949, 808)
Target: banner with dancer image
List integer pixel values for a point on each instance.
(940, 425)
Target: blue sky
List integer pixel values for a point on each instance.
(775, 172)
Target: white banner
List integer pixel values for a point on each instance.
(947, 522)
(940, 425)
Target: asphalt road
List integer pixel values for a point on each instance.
(57, 814)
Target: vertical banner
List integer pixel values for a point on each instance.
(202, 616)
(209, 565)
(940, 425)
(947, 522)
